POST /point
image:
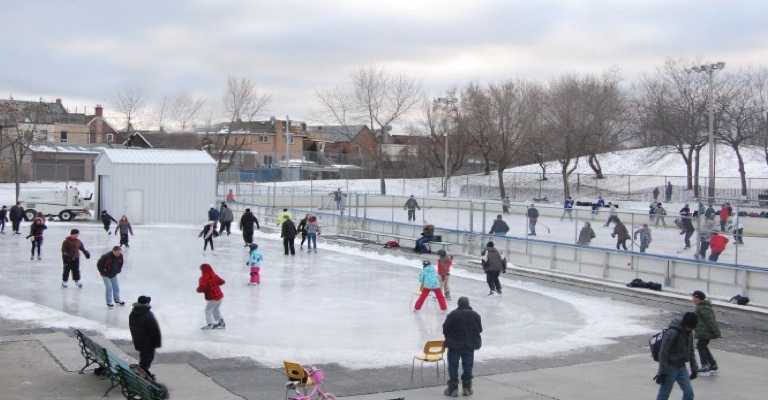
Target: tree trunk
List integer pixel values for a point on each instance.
(543, 171)
(564, 172)
(487, 162)
(696, 169)
(742, 171)
(500, 173)
(594, 163)
(380, 166)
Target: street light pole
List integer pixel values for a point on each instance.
(449, 103)
(710, 69)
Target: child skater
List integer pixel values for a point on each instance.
(444, 263)
(313, 229)
(209, 284)
(430, 282)
(254, 261)
(36, 234)
(209, 230)
(303, 229)
(125, 228)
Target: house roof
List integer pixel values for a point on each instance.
(157, 156)
(72, 148)
(339, 133)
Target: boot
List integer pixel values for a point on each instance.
(466, 387)
(452, 390)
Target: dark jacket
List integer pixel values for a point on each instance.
(412, 204)
(213, 214)
(462, 328)
(686, 225)
(17, 213)
(72, 246)
(620, 230)
(225, 215)
(428, 232)
(499, 226)
(247, 221)
(533, 213)
(288, 231)
(110, 265)
(676, 348)
(107, 219)
(493, 261)
(145, 331)
(586, 235)
(707, 327)
(302, 225)
(36, 230)
(4, 215)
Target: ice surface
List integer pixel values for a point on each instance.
(337, 305)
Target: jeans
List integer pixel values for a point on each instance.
(112, 289)
(411, 215)
(532, 226)
(312, 240)
(683, 379)
(714, 256)
(702, 345)
(37, 243)
(206, 242)
(212, 313)
(643, 246)
(467, 358)
(567, 211)
(688, 235)
(421, 244)
(703, 246)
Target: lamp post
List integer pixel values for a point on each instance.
(710, 69)
(448, 103)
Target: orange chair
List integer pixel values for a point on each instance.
(433, 352)
(295, 373)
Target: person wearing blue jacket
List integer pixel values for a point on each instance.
(254, 262)
(567, 208)
(430, 282)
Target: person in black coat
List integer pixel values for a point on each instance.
(145, 332)
(3, 218)
(288, 233)
(16, 214)
(246, 225)
(107, 221)
(462, 328)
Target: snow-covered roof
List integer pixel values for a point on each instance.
(71, 148)
(157, 156)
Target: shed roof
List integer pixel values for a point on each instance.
(157, 156)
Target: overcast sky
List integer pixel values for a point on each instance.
(85, 51)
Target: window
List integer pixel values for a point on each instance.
(64, 135)
(291, 140)
(263, 139)
(356, 148)
(110, 137)
(43, 134)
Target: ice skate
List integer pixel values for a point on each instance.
(220, 325)
(79, 285)
(64, 284)
(207, 327)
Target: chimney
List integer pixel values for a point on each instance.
(58, 101)
(99, 111)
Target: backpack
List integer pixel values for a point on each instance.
(740, 300)
(391, 243)
(654, 343)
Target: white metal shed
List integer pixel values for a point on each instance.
(152, 186)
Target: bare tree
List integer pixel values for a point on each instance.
(184, 108)
(241, 103)
(127, 103)
(606, 116)
(21, 122)
(161, 113)
(477, 116)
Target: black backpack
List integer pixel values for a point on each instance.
(654, 343)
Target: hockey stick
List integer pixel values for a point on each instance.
(545, 227)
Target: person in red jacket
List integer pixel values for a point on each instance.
(209, 284)
(444, 270)
(717, 244)
(724, 214)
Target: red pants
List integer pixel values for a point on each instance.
(438, 294)
(255, 278)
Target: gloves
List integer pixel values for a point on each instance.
(87, 254)
(694, 374)
(660, 378)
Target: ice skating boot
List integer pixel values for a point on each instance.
(466, 387)
(452, 390)
(220, 325)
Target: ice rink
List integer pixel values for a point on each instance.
(338, 305)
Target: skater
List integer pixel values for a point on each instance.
(652, 212)
(145, 332)
(313, 230)
(676, 351)
(338, 197)
(70, 255)
(107, 221)
(613, 215)
(685, 210)
(462, 328)
(209, 284)
(226, 218)
(687, 229)
(656, 193)
(124, 227)
(659, 213)
(738, 231)
(3, 219)
(505, 205)
(444, 263)
(533, 216)
(247, 220)
(285, 214)
(254, 262)
(302, 228)
(707, 329)
(110, 265)
(645, 237)
(426, 236)
(586, 234)
(668, 193)
(499, 227)
(288, 233)
(567, 208)
(208, 232)
(36, 235)
(621, 234)
(16, 214)
(704, 235)
(231, 196)
(430, 282)
(494, 263)
(717, 244)
(213, 215)
(724, 215)
(709, 214)
(411, 205)
(600, 203)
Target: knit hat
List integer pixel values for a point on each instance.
(490, 244)
(247, 210)
(144, 299)
(253, 246)
(463, 301)
(498, 216)
(425, 263)
(74, 231)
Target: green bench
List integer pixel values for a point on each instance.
(116, 369)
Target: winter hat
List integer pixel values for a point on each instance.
(144, 299)
(253, 246)
(74, 232)
(498, 216)
(103, 211)
(463, 301)
(490, 244)
(441, 252)
(210, 206)
(699, 294)
(425, 263)
(247, 210)
(690, 320)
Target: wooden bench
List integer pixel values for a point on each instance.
(95, 353)
(137, 388)
(397, 238)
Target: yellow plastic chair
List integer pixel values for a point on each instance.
(433, 352)
(295, 373)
